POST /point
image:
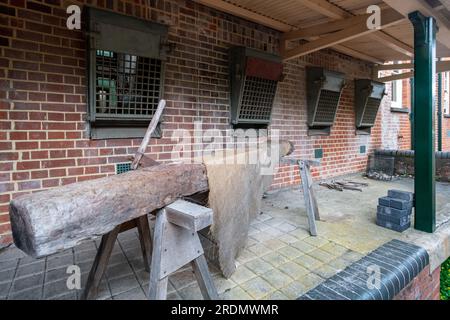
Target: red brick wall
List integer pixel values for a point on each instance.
(44, 139)
(425, 286)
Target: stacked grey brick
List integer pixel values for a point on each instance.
(394, 211)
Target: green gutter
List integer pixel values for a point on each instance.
(411, 116)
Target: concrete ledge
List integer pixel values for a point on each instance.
(399, 263)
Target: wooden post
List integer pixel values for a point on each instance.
(308, 193)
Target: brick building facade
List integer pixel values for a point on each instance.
(43, 103)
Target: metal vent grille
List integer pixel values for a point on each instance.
(127, 86)
(371, 111)
(123, 167)
(327, 107)
(257, 99)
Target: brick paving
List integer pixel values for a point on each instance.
(281, 260)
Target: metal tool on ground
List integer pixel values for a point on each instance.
(108, 240)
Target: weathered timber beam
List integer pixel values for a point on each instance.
(49, 221)
(355, 31)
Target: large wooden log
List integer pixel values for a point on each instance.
(49, 221)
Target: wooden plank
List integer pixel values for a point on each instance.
(145, 239)
(355, 31)
(189, 215)
(330, 10)
(204, 278)
(44, 223)
(307, 195)
(246, 14)
(100, 264)
(148, 134)
(157, 284)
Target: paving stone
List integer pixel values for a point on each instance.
(182, 279)
(67, 296)
(83, 256)
(30, 294)
(191, 292)
(274, 222)
(103, 290)
(308, 262)
(28, 282)
(325, 271)
(260, 226)
(7, 275)
(277, 279)
(352, 256)
(60, 261)
(274, 244)
(117, 258)
(57, 288)
(259, 266)
(316, 241)
(222, 284)
(300, 233)
(143, 277)
(303, 246)
(286, 227)
(174, 296)
(264, 217)
(89, 245)
(242, 274)
(275, 259)
(290, 252)
(293, 270)
(56, 274)
(258, 288)
(245, 256)
(274, 232)
(294, 290)
(259, 249)
(321, 255)
(123, 284)
(133, 294)
(118, 270)
(288, 239)
(4, 288)
(8, 264)
(262, 236)
(339, 263)
(278, 295)
(236, 293)
(137, 264)
(334, 249)
(12, 253)
(30, 269)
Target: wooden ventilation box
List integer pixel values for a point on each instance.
(254, 77)
(324, 90)
(368, 97)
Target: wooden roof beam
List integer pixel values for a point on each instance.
(332, 11)
(441, 66)
(355, 31)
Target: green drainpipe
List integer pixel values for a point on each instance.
(411, 115)
(424, 120)
(439, 111)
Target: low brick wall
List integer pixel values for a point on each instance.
(426, 286)
(404, 162)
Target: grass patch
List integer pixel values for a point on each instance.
(445, 280)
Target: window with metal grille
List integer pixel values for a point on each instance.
(257, 99)
(126, 73)
(127, 86)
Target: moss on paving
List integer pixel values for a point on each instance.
(445, 280)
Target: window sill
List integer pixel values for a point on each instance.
(447, 116)
(100, 133)
(400, 110)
